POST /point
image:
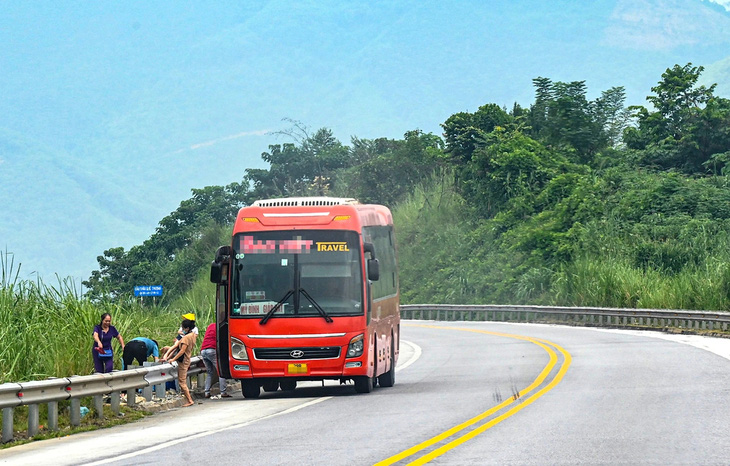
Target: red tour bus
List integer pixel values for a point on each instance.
(308, 290)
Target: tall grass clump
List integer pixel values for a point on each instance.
(46, 331)
(612, 282)
(432, 236)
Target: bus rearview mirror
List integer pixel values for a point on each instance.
(216, 273)
(373, 270)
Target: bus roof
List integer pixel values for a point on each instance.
(317, 212)
(305, 201)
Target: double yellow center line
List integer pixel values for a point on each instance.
(457, 440)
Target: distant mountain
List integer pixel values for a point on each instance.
(718, 73)
(60, 211)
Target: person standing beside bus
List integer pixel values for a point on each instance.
(210, 358)
(185, 345)
(102, 352)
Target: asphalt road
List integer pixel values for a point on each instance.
(465, 393)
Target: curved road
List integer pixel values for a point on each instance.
(465, 393)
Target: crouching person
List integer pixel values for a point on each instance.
(140, 349)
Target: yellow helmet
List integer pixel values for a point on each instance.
(189, 316)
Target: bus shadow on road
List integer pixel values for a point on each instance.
(316, 390)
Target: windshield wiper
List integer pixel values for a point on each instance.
(316, 305)
(276, 307)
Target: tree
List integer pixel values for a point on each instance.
(391, 168)
(509, 166)
(677, 99)
(612, 111)
(306, 169)
(562, 117)
(687, 127)
(465, 132)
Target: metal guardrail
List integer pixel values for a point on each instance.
(97, 386)
(598, 316)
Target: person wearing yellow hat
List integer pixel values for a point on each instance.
(171, 351)
(188, 316)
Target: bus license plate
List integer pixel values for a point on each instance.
(297, 368)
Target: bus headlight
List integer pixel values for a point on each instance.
(356, 346)
(238, 350)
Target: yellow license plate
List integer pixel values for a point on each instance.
(297, 369)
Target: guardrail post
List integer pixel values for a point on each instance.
(115, 402)
(52, 415)
(147, 392)
(99, 406)
(132, 398)
(7, 425)
(201, 379)
(75, 414)
(32, 420)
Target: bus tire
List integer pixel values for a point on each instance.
(363, 384)
(288, 385)
(250, 388)
(388, 378)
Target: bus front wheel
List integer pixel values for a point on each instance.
(250, 388)
(364, 384)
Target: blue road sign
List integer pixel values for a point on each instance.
(154, 290)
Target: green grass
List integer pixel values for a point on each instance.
(46, 331)
(88, 422)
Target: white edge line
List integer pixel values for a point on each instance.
(416, 355)
(205, 434)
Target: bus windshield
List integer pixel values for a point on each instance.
(299, 273)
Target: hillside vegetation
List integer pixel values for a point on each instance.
(569, 201)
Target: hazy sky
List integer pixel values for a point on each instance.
(111, 112)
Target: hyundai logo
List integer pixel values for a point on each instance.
(297, 353)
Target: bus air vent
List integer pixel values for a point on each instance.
(305, 202)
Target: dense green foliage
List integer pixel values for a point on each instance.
(510, 206)
(570, 201)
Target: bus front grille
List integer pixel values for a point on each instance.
(325, 352)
